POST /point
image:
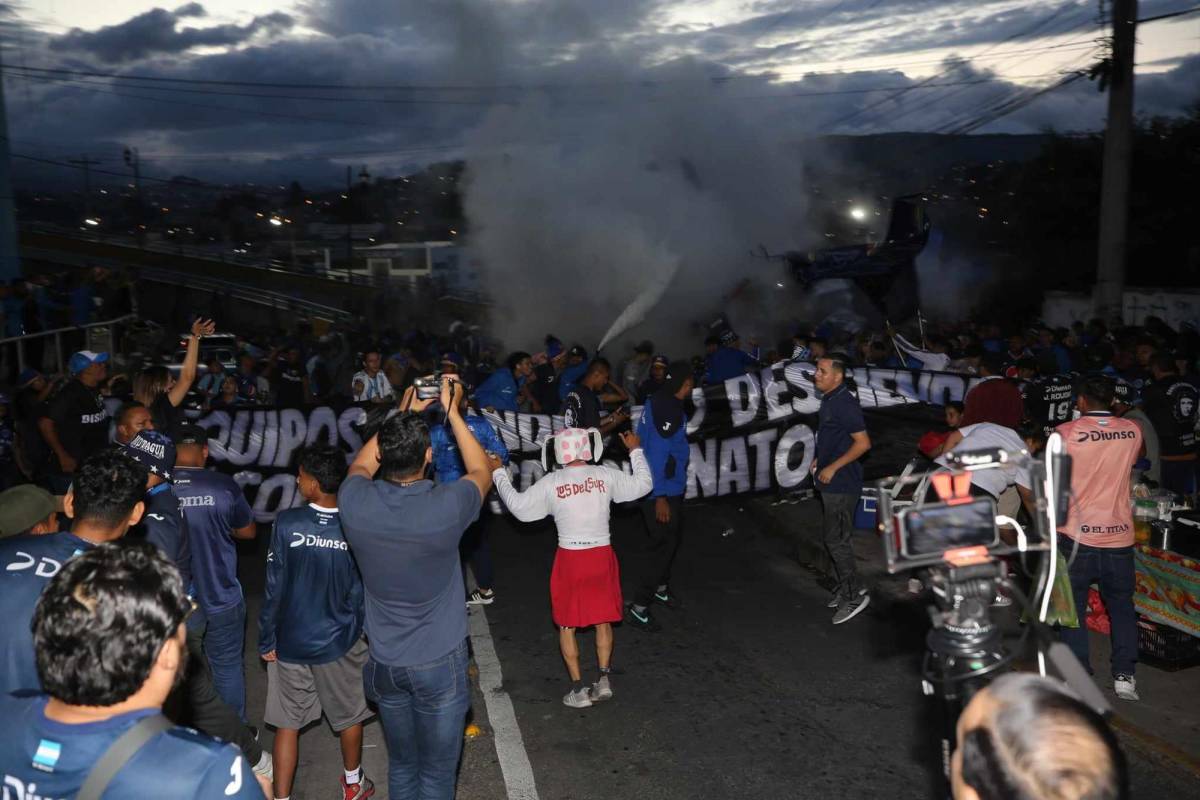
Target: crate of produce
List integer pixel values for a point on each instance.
(1165, 647)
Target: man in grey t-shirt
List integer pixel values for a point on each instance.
(404, 532)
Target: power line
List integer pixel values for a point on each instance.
(717, 79)
(1019, 34)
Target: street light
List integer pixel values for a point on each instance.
(858, 213)
(91, 221)
(276, 221)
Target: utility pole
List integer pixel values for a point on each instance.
(87, 164)
(131, 158)
(1118, 165)
(10, 256)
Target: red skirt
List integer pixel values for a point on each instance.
(585, 587)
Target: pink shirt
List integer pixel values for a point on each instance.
(1103, 449)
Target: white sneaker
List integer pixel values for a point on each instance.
(265, 766)
(1126, 687)
(601, 690)
(578, 699)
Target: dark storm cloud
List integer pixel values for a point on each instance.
(157, 32)
(586, 63)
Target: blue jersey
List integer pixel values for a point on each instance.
(165, 527)
(667, 452)
(727, 363)
(27, 563)
(499, 391)
(45, 759)
(214, 506)
(312, 612)
(447, 459)
(569, 377)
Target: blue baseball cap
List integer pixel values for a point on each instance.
(451, 357)
(553, 347)
(84, 359)
(153, 450)
(27, 376)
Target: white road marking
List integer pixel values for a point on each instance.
(510, 747)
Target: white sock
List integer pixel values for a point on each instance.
(289, 797)
(353, 776)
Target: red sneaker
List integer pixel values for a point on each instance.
(358, 791)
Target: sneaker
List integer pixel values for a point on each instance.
(601, 690)
(836, 600)
(850, 608)
(577, 698)
(668, 599)
(358, 791)
(1126, 687)
(642, 620)
(265, 766)
(481, 597)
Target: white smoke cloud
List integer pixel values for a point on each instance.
(623, 190)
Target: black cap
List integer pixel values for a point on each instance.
(646, 347)
(577, 351)
(189, 433)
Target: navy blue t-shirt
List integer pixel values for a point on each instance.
(312, 612)
(27, 563)
(214, 506)
(49, 759)
(405, 539)
(165, 527)
(727, 363)
(840, 416)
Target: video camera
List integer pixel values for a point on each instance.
(956, 538)
(429, 387)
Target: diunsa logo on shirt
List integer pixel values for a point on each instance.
(312, 540)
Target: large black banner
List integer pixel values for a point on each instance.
(754, 433)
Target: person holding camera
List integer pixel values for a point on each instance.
(585, 584)
(842, 441)
(109, 636)
(404, 531)
(1025, 736)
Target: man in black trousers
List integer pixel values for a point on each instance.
(663, 431)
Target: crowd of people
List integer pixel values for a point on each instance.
(366, 599)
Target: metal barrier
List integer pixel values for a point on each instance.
(19, 341)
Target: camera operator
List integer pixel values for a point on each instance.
(404, 531)
(1024, 738)
(1103, 450)
(109, 635)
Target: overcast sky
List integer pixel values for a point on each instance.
(425, 76)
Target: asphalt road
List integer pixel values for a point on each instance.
(748, 692)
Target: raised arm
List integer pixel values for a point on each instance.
(639, 484)
(479, 468)
(528, 506)
(187, 373)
